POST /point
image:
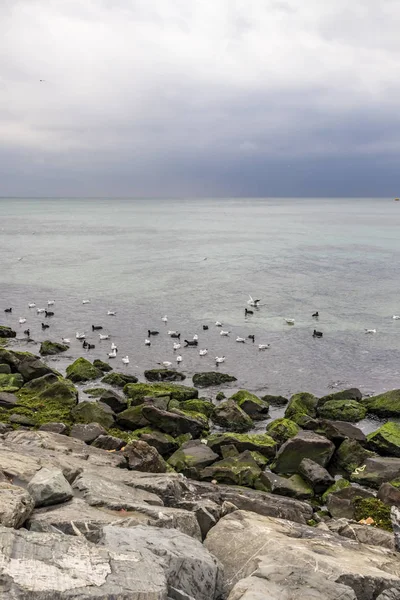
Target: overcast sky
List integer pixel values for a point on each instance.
(199, 97)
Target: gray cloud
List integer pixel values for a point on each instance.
(154, 97)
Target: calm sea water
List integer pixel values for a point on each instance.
(146, 258)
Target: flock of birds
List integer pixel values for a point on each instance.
(81, 336)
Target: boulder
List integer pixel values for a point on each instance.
(282, 430)
(138, 391)
(164, 375)
(108, 442)
(275, 400)
(339, 484)
(116, 402)
(263, 545)
(8, 400)
(395, 517)
(191, 458)
(292, 487)
(257, 442)
(364, 534)
(118, 379)
(207, 513)
(338, 431)
(176, 422)
(95, 392)
(49, 486)
(377, 470)
(342, 410)
(132, 418)
(236, 470)
(48, 348)
(386, 439)
(164, 444)
(103, 366)
(373, 508)
(389, 494)
(16, 505)
(7, 332)
(231, 417)
(60, 428)
(32, 369)
(301, 408)
(351, 455)
(384, 405)
(390, 594)
(340, 503)
(306, 444)
(211, 378)
(93, 412)
(24, 420)
(82, 370)
(350, 394)
(205, 407)
(253, 406)
(87, 432)
(5, 369)
(9, 358)
(11, 383)
(143, 457)
(318, 477)
(51, 398)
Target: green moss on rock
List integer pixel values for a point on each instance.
(212, 378)
(10, 382)
(5, 369)
(253, 406)
(342, 410)
(164, 375)
(231, 417)
(48, 348)
(82, 370)
(95, 392)
(259, 442)
(103, 366)
(93, 412)
(351, 455)
(132, 418)
(282, 430)
(7, 332)
(384, 405)
(204, 407)
(119, 379)
(374, 508)
(50, 398)
(350, 394)
(386, 439)
(235, 470)
(138, 391)
(340, 484)
(220, 396)
(301, 408)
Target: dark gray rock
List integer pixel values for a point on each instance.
(207, 513)
(389, 494)
(350, 394)
(164, 375)
(174, 423)
(341, 503)
(5, 369)
(48, 487)
(16, 505)
(60, 428)
(8, 400)
(164, 444)
(142, 457)
(395, 516)
(116, 402)
(109, 442)
(275, 400)
(191, 457)
(22, 420)
(32, 369)
(306, 444)
(377, 470)
(315, 475)
(87, 432)
(292, 487)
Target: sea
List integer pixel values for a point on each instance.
(197, 261)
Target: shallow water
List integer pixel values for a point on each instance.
(145, 258)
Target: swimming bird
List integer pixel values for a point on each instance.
(240, 339)
(44, 326)
(65, 340)
(125, 360)
(219, 360)
(112, 354)
(104, 336)
(205, 327)
(90, 346)
(179, 359)
(85, 301)
(167, 364)
(111, 313)
(251, 337)
(149, 333)
(22, 321)
(85, 344)
(165, 319)
(48, 313)
(226, 333)
(203, 352)
(218, 323)
(31, 305)
(263, 346)
(318, 334)
(396, 317)
(177, 346)
(40, 310)
(290, 321)
(252, 302)
(9, 310)
(370, 331)
(147, 342)
(80, 336)
(50, 302)
(114, 347)
(192, 343)
(316, 314)
(27, 332)
(96, 327)
(248, 312)
(195, 337)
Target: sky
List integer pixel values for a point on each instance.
(199, 98)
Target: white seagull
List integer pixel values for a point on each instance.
(147, 342)
(171, 332)
(219, 359)
(224, 332)
(40, 310)
(65, 340)
(179, 359)
(165, 319)
(396, 317)
(252, 302)
(370, 331)
(177, 346)
(50, 302)
(167, 364)
(114, 347)
(195, 337)
(111, 313)
(125, 360)
(112, 354)
(103, 336)
(31, 305)
(203, 352)
(290, 321)
(218, 323)
(85, 301)
(80, 336)
(263, 346)
(22, 321)
(240, 339)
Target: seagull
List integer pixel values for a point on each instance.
(172, 332)
(240, 339)
(114, 347)
(103, 336)
(22, 321)
(218, 323)
(40, 310)
(252, 302)
(290, 321)
(50, 302)
(147, 342)
(177, 346)
(179, 359)
(31, 305)
(112, 354)
(195, 337)
(80, 336)
(219, 360)
(224, 332)
(370, 331)
(167, 364)
(203, 352)
(396, 317)
(85, 301)
(111, 313)
(125, 360)
(65, 340)
(165, 319)
(263, 346)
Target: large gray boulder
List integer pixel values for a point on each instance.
(87, 432)
(306, 444)
(191, 457)
(48, 487)
(16, 505)
(340, 503)
(377, 470)
(315, 475)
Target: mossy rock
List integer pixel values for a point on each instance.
(342, 410)
(350, 455)
(50, 398)
(103, 366)
(220, 396)
(235, 470)
(7, 332)
(374, 508)
(275, 400)
(10, 382)
(164, 375)
(164, 443)
(386, 440)
(301, 408)
(93, 412)
(9, 358)
(138, 391)
(82, 370)
(292, 487)
(5, 369)
(191, 458)
(119, 379)
(260, 459)
(48, 348)
(95, 392)
(384, 405)
(340, 484)
(350, 394)
(212, 378)
(231, 417)
(282, 430)
(258, 442)
(132, 418)
(253, 406)
(199, 406)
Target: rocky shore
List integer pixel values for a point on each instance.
(150, 491)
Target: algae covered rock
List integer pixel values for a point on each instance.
(306, 444)
(138, 391)
(253, 406)
(82, 370)
(176, 422)
(48, 348)
(51, 399)
(292, 487)
(95, 392)
(103, 366)
(340, 484)
(5, 369)
(350, 394)
(231, 417)
(163, 442)
(377, 470)
(164, 375)
(341, 502)
(386, 439)
(257, 442)
(282, 430)
(132, 418)
(118, 379)
(10, 382)
(375, 509)
(384, 405)
(199, 406)
(7, 332)
(93, 412)
(351, 455)
(275, 400)
(301, 408)
(191, 458)
(212, 378)
(32, 368)
(342, 410)
(116, 402)
(235, 470)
